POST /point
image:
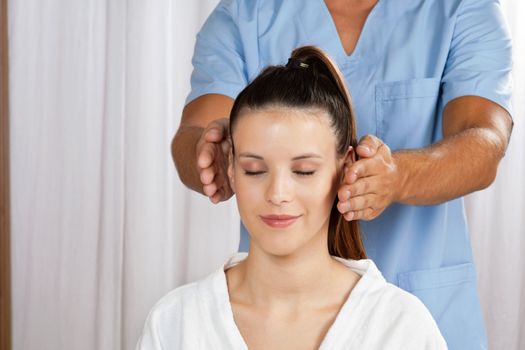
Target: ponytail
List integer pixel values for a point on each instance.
(344, 238)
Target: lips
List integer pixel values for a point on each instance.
(279, 221)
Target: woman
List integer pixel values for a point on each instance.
(306, 282)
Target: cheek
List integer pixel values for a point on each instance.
(247, 191)
(318, 197)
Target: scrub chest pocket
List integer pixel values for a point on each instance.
(406, 112)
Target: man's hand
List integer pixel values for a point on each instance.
(369, 184)
(437, 173)
(212, 151)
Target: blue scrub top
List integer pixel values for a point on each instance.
(411, 59)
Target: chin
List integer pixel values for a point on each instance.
(279, 251)
(277, 243)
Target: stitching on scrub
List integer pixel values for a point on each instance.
(440, 286)
(406, 97)
(412, 88)
(460, 273)
(379, 118)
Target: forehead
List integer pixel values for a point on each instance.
(284, 130)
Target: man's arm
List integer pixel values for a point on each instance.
(476, 132)
(192, 141)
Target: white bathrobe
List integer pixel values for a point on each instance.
(376, 315)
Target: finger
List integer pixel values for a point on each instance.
(210, 189)
(350, 174)
(223, 183)
(367, 214)
(216, 198)
(343, 193)
(225, 146)
(363, 202)
(206, 156)
(343, 206)
(218, 185)
(368, 146)
(207, 175)
(361, 168)
(214, 133)
(365, 185)
(349, 216)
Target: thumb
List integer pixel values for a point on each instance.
(368, 146)
(214, 134)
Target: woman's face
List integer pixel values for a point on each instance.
(285, 174)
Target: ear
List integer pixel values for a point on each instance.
(346, 161)
(231, 176)
(350, 156)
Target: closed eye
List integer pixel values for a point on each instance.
(300, 173)
(253, 173)
(304, 173)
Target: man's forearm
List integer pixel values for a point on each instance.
(455, 166)
(183, 150)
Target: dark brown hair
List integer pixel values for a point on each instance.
(311, 80)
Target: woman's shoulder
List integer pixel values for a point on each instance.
(205, 289)
(173, 304)
(390, 312)
(171, 321)
(186, 298)
(411, 318)
(376, 288)
(404, 304)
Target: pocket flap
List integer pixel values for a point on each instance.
(413, 88)
(434, 278)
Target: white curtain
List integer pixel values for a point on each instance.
(496, 217)
(101, 225)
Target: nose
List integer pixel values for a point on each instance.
(279, 189)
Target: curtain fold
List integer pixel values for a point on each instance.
(101, 225)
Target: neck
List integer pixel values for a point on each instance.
(305, 278)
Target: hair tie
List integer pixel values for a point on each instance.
(296, 63)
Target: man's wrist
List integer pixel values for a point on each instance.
(184, 150)
(401, 191)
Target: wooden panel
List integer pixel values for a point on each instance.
(5, 266)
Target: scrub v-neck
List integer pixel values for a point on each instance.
(331, 30)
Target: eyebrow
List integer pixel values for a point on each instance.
(302, 156)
